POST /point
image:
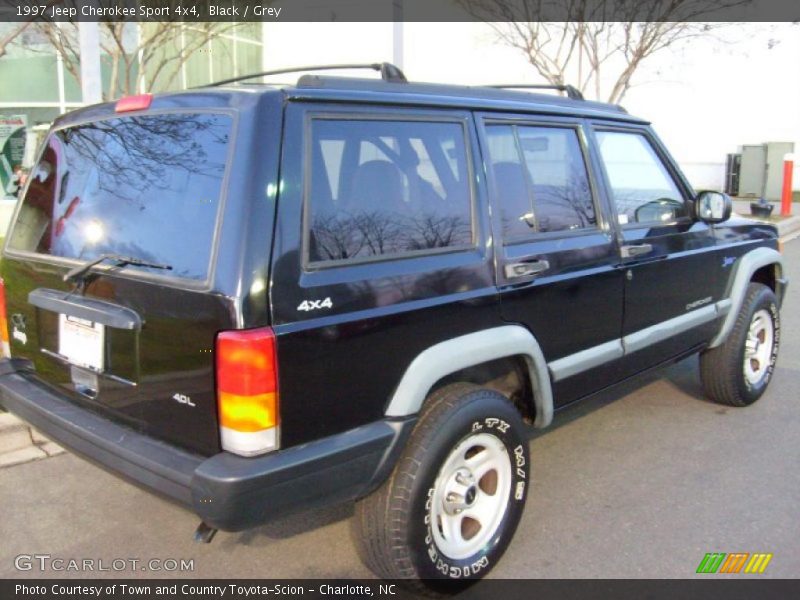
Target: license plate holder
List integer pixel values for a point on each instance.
(82, 342)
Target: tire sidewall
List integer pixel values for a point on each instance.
(765, 300)
(481, 412)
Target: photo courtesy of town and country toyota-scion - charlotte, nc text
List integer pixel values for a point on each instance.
(188, 10)
(230, 590)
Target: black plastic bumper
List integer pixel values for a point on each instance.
(226, 491)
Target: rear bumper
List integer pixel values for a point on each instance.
(226, 491)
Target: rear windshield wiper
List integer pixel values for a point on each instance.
(80, 271)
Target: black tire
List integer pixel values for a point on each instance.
(393, 529)
(723, 369)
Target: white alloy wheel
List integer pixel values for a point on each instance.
(758, 347)
(471, 495)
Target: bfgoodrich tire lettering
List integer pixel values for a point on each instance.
(399, 529)
(738, 372)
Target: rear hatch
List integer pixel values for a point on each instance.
(133, 342)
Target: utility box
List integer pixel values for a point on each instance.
(752, 170)
(761, 170)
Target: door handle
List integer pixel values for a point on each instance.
(635, 250)
(526, 269)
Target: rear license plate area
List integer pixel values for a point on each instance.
(82, 342)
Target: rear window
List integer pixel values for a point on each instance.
(145, 186)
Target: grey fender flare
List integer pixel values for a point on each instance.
(464, 351)
(746, 265)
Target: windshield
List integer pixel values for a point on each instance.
(144, 186)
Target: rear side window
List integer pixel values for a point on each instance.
(641, 185)
(386, 188)
(146, 187)
(539, 179)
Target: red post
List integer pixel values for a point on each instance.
(786, 197)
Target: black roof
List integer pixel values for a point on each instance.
(378, 91)
(393, 87)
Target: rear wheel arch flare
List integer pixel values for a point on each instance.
(453, 355)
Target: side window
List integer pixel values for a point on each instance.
(382, 188)
(641, 186)
(562, 197)
(509, 181)
(540, 179)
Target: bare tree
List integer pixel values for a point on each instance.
(598, 44)
(139, 55)
(344, 235)
(12, 34)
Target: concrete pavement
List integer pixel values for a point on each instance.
(639, 482)
(20, 443)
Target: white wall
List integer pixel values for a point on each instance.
(713, 96)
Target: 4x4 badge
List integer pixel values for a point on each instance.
(307, 305)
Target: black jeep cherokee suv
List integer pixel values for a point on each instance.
(255, 299)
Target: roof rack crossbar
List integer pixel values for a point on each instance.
(571, 91)
(388, 71)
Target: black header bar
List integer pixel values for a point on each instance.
(741, 588)
(197, 11)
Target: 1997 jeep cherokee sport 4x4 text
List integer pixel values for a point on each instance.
(254, 299)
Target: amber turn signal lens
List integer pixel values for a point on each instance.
(5, 350)
(248, 413)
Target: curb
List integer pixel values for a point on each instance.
(788, 226)
(20, 443)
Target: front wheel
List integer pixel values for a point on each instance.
(452, 504)
(738, 371)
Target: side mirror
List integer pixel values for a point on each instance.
(713, 207)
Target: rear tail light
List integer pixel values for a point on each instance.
(131, 103)
(247, 391)
(5, 350)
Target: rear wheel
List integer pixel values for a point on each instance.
(738, 371)
(450, 508)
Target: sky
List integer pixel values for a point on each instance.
(705, 98)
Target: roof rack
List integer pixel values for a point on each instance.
(388, 71)
(572, 92)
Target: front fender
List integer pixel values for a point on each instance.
(745, 266)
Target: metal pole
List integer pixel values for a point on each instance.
(62, 98)
(91, 78)
(397, 34)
